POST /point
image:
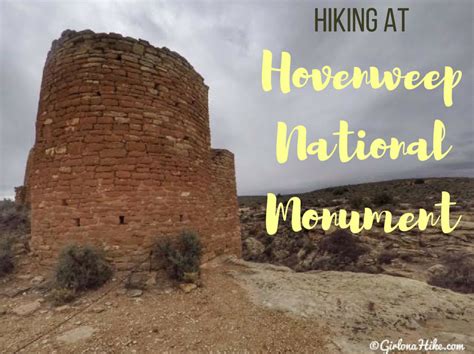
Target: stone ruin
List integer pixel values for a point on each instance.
(122, 153)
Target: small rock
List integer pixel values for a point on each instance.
(76, 334)
(121, 292)
(98, 309)
(27, 309)
(412, 324)
(167, 291)
(62, 308)
(136, 281)
(24, 276)
(135, 293)
(187, 287)
(37, 280)
(192, 277)
(437, 269)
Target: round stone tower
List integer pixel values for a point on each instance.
(122, 153)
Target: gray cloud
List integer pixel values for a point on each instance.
(224, 42)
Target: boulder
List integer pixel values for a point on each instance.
(76, 334)
(27, 309)
(253, 247)
(437, 269)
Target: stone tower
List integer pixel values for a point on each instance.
(122, 153)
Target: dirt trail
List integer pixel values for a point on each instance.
(242, 306)
(218, 316)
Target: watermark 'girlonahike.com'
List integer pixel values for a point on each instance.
(387, 346)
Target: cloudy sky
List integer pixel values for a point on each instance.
(224, 42)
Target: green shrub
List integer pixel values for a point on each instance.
(356, 202)
(386, 257)
(340, 190)
(459, 274)
(81, 268)
(343, 246)
(308, 245)
(341, 251)
(183, 258)
(419, 181)
(14, 219)
(61, 296)
(6, 204)
(406, 257)
(382, 198)
(6, 257)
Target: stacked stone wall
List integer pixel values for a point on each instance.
(226, 228)
(122, 154)
(22, 194)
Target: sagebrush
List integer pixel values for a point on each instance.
(343, 246)
(181, 258)
(6, 257)
(14, 219)
(340, 190)
(382, 198)
(81, 268)
(61, 296)
(356, 202)
(386, 257)
(458, 275)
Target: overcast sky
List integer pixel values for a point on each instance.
(224, 42)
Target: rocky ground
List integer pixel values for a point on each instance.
(325, 291)
(416, 255)
(241, 306)
(218, 316)
(359, 308)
